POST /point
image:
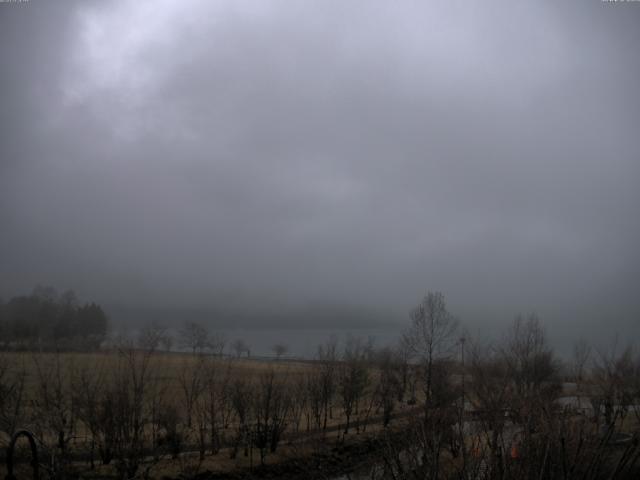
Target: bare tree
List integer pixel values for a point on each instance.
(580, 357)
(316, 397)
(152, 336)
(271, 404)
(217, 380)
(533, 375)
(54, 405)
(241, 395)
(431, 336)
(299, 400)
(530, 359)
(95, 410)
(279, 349)
(327, 361)
(388, 385)
(217, 343)
(239, 346)
(167, 342)
(126, 396)
(635, 387)
(401, 362)
(12, 394)
(613, 374)
(170, 422)
(158, 398)
(191, 380)
(491, 397)
(194, 336)
(431, 339)
(353, 378)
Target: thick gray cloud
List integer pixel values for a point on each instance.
(272, 155)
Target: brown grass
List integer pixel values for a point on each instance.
(165, 370)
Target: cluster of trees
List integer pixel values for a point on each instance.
(447, 406)
(497, 413)
(44, 319)
(132, 405)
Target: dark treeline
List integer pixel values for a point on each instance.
(48, 320)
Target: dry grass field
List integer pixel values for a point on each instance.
(179, 413)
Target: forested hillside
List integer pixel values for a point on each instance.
(44, 319)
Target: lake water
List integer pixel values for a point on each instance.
(300, 342)
(304, 342)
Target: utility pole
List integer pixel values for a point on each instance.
(462, 407)
(462, 341)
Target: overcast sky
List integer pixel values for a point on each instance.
(272, 155)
